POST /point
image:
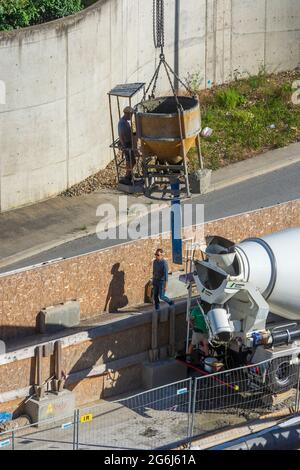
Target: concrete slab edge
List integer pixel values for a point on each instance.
(274, 166)
(91, 332)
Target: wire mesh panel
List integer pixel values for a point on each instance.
(230, 398)
(7, 441)
(173, 414)
(150, 420)
(48, 435)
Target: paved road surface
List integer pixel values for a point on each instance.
(273, 188)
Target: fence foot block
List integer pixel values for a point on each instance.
(51, 406)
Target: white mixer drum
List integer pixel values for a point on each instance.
(272, 264)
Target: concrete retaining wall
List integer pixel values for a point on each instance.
(54, 127)
(101, 280)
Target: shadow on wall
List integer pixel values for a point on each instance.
(116, 297)
(12, 335)
(99, 352)
(96, 354)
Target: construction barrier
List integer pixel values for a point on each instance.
(49, 434)
(154, 419)
(173, 415)
(239, 396)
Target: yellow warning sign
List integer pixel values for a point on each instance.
(50, 409)
(86, 418)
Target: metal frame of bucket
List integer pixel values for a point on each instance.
(127, 91)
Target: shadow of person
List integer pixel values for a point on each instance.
(116, 297)
(148, 293)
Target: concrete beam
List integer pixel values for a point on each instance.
(92, 332)
(75, 377)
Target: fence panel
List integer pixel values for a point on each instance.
(173, 414)
(49, 434)
(7, 441)
(149, 420)
(242, 395)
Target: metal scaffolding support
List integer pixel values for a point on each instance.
(127, 91)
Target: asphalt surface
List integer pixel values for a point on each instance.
(263, 191)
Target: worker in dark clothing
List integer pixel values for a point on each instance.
(160, 279)
(125, 136)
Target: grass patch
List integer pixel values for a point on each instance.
(249, 116)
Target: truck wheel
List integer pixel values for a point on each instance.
(282, 375)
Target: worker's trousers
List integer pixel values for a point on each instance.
(159, 292)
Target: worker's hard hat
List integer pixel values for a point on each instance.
(128, 110)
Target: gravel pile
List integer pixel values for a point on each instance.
(104, 179)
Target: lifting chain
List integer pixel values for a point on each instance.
(159, 24)
(159, 43)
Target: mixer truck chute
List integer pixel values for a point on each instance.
(239, 285)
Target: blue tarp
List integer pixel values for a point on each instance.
(5, 417)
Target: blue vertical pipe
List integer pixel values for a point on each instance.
(176, 224)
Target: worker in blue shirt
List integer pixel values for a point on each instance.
(125, 137)
(160, 279)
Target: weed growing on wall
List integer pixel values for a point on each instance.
(16, 14)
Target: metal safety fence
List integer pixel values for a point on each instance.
(174, 414)
(51, 434)
(243, 395)
(153, 419)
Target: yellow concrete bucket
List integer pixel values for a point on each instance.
(158, 127)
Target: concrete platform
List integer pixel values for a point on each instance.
(52, 406)
(59, 317)
(200, 181)
(136, 188)
(176, 288)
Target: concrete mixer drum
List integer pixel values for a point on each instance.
(163, 132)
(167, 128)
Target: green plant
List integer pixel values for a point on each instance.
(16, 14)
(284, 91)
(53, 9)
(229, 99)
(248, 116)
(256, 81)
(194, 81)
